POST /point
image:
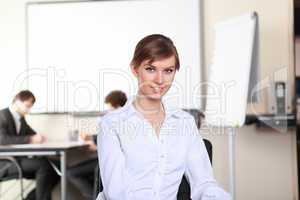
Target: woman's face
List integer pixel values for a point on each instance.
(155, 79)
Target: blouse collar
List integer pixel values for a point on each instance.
(169, 111)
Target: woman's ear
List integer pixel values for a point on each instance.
(134, 70)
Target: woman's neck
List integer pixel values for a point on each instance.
(148, 106)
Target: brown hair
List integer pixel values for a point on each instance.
(154, 47)
(116, 98)
(24, 95)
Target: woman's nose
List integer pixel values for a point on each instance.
(159, 78)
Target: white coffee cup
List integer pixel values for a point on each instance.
(73, 135)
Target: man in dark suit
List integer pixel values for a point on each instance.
(15, 130)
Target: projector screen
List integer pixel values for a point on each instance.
(77, 52)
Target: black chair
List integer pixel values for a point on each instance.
(6, 163)
(198, 116)
(184, 191)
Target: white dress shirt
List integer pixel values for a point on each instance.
(136, 164)
(17, 118)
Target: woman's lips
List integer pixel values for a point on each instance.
(158, 89)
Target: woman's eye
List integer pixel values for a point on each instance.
(169, 71)
(150, 69)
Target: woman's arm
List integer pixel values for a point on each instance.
(113, 171)
(199, 170)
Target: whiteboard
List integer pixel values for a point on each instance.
(229, 74)
(77, 52)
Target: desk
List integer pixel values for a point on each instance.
(46, 149)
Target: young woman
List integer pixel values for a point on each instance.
(145, 147)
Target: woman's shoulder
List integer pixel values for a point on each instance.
(115, 115)
(185, 118)
(181, 114)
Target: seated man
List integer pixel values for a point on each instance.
(82, 175)
(15, 130)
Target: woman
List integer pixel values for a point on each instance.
(145, 148)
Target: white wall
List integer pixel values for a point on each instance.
(276, 39)
(12, 48)
(266, 160)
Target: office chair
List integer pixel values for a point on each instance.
(197, 114)
(184, 191)
(7, 163)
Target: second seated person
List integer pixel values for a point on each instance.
(145, 147)
(82, 175)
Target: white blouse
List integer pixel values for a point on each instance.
(135, 164)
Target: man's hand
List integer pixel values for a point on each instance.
(92, 146)
(37, 139)
(85, 136)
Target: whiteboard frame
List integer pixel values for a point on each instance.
(201, 48)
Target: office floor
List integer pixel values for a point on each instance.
(73, 193)
(10, 191)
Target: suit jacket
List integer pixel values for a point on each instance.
(8, 132)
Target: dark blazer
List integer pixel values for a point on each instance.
(8, 132)
(94, 138)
